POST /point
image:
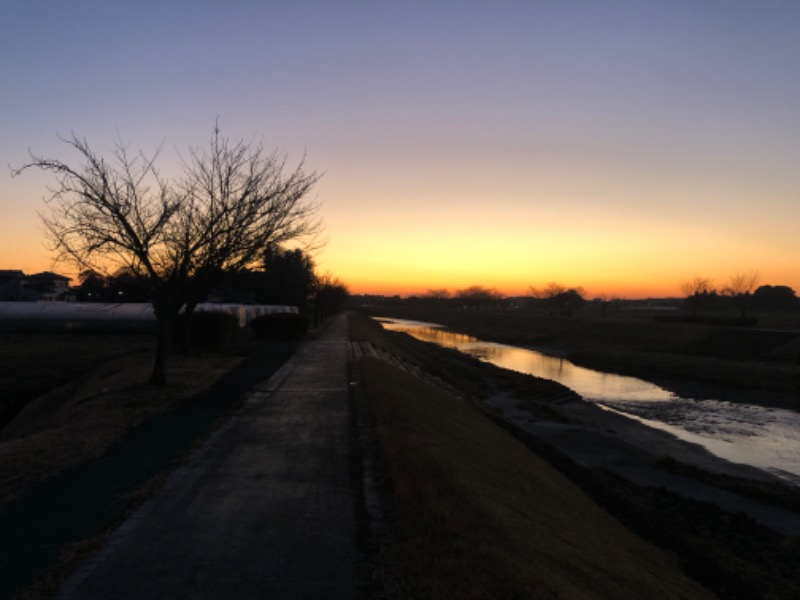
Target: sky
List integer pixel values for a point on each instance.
(619, 146)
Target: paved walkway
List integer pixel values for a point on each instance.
(267, 509)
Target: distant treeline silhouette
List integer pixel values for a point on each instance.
(700, 297)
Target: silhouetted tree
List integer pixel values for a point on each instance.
(558, 298)
(91, 286)
(740, 288)
(288, 277)
(329, 296)
(477, 296)
(126, 286)
(177, 237)
(775, 297)
(436, 297)
(244, 202)
(694, 290)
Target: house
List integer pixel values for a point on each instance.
(45, 286)
(11, 285)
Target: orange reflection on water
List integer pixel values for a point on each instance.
(592, 385)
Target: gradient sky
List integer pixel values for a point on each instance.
(619, 146)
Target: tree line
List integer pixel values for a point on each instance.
(282, 276)
(741, 293)
(553, 296)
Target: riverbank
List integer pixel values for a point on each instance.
(471, 512)
(692, 359)
(727, 551)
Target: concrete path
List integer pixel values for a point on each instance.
(268, 508)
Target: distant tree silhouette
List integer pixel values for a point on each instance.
(559, 298)
(176, 237)
(436, 297)
(694, 290)
(775, 297)
(126, 286)
(92, 286)
(329, 295)
(288, 277)
(740, 288)
(477, 296)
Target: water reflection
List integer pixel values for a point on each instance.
(767, 438)
(592, 385)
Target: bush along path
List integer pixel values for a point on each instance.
(38, 527)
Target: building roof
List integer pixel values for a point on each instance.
(48, 275)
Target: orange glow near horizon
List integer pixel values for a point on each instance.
(389, 275)
(613, 261)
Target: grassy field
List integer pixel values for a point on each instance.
(32, 364)
(474, 512)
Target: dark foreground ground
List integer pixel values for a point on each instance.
(50, 523)
(455, 501)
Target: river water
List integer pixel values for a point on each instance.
(766, 438)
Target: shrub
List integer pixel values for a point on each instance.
(280, 326)
(210, 331)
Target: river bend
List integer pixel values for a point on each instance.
(763, 437)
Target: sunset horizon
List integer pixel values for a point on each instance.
(509, 288)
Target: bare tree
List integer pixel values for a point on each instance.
(177, 236)
(436, 296)
(559, 297)
(694, 289)
(478, 296)
(740, 288)
(698, 285)
(239, 201)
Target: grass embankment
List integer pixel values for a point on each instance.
(32, 364)
(104, 397)
(75, 460)
(476, 514)
(673, 354)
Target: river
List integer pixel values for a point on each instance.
(763, 437)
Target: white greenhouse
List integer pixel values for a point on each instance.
(100, 317)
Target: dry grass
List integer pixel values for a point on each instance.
(32, 364)
(478, 515)
(75, 460)
(80, 420)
